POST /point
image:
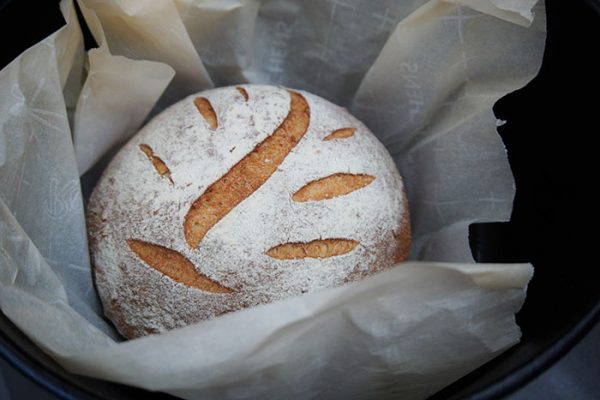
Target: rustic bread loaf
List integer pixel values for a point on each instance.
(240, 196)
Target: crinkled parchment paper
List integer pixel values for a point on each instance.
(423, 75)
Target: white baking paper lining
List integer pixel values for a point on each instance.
(423, 75)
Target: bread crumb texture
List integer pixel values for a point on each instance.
(260, 208)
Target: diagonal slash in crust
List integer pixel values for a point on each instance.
(250, 173)
(174, 265)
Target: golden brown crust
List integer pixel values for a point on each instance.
(404, 237)
(206, 109)
(248, 174)
(149, 277)
(243, 92)
(321, 248)
(175, 266)
(342, 133)
(159, 165)
(332, 186)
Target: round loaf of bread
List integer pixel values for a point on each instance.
(241, 196)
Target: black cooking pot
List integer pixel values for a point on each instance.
(548, 133)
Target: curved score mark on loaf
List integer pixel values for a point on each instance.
(321, 248)
(250, 173)
(243, 92)
(342, 133)
(174, 265)
(207, 111)
(157, 162)
(332, 186)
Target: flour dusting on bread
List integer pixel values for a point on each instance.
(324, 213)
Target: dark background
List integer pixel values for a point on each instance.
(550, 137)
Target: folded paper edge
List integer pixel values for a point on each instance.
(523, 17)
(311, 309)
(98, 59)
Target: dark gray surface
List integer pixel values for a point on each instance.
(575, 376)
